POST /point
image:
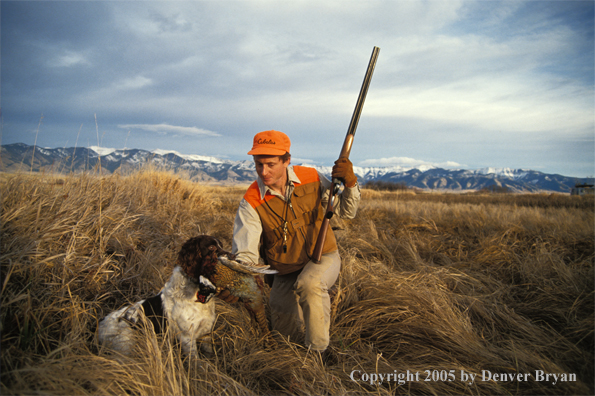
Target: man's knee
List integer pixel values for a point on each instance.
(310, 287)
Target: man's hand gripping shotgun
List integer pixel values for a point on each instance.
(345, 151)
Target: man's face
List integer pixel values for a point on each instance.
(271, 170)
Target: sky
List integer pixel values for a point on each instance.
(457, 84)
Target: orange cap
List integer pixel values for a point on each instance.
(270, 143)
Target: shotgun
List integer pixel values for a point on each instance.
(345, 151)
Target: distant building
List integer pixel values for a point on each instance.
(583, 189)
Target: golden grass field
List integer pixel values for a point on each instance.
(442, 287)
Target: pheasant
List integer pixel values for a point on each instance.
(221, 268)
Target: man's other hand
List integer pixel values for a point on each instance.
(343, 170)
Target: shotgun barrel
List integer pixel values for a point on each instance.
(345, 151)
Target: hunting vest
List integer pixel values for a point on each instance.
(303, 213)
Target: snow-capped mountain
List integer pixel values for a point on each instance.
(18, 157)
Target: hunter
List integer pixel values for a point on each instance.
(278, 220)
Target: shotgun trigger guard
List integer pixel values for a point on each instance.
(331, 204)
(336, 185)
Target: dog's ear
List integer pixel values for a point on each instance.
(190, 256)
(211, 248)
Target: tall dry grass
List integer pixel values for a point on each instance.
(429, 282)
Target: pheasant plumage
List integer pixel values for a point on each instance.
(247, 288)
(221, 268)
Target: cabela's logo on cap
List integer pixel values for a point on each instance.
(270, 143)
(265, 141)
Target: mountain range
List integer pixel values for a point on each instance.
(20, 157)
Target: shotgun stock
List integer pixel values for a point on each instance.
(345, 151)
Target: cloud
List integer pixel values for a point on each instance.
(69, 59)
(407, 162)
(297, 160)
(506, 103)
(134, 83)
(172, 23)
(165, 129)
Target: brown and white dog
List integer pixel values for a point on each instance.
(185, 302)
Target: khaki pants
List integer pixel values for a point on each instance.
(300, 303)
